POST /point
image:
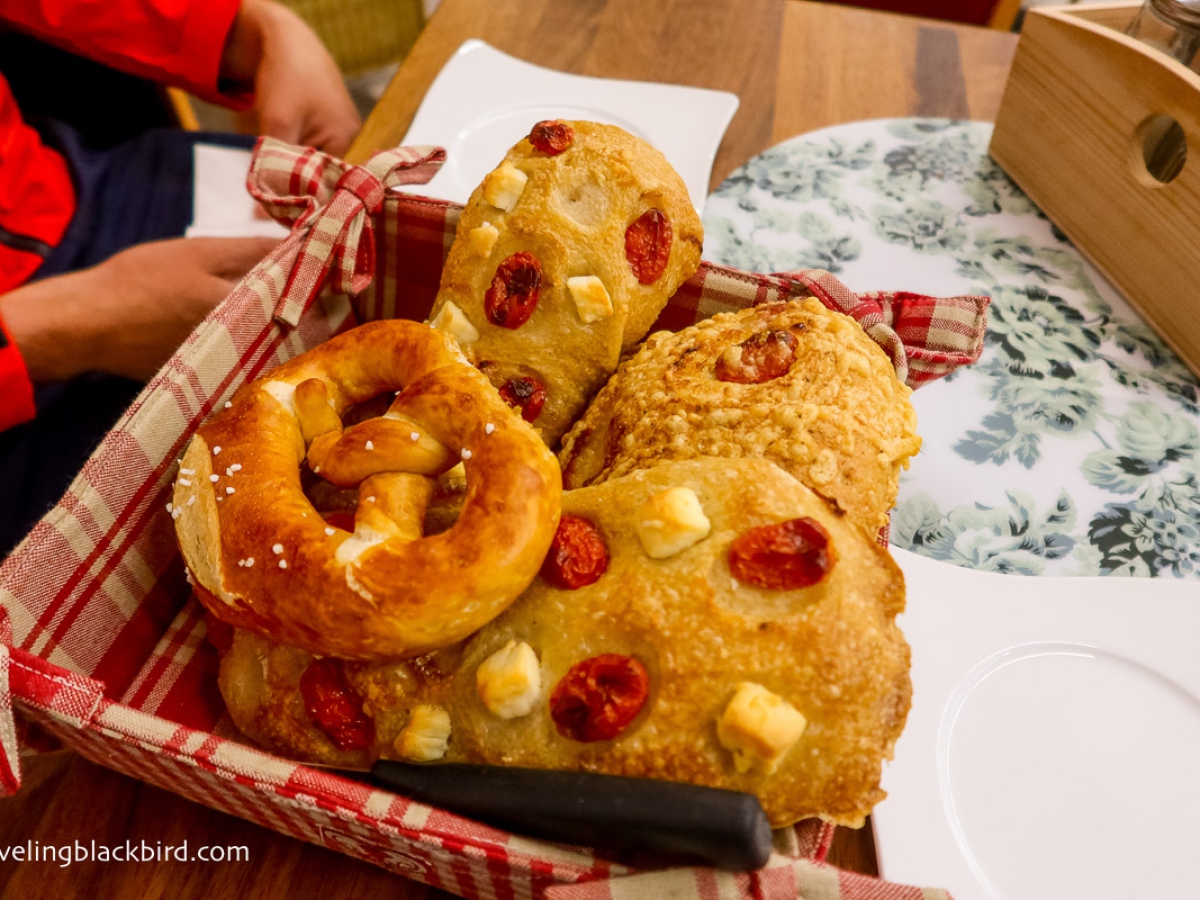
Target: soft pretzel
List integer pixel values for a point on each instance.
(794, 383)
(563, 258)
(718, 654)
(262, 557)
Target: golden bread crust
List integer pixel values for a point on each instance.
(832, 651)
(369, 643)
(838, 420)
(572, 215)
(264, 558)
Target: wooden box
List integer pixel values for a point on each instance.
(1083, 109)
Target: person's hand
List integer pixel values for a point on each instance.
(300, 96)
(128, 314)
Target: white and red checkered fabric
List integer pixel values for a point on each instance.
(101, 645)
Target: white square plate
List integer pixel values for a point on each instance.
(1052, 746)
(484, 101)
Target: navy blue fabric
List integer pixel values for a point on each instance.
(137, 191)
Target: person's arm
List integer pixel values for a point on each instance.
(224, 51)
(161, 40)
(300, 96)
(126, 315)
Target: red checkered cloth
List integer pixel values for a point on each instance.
(101, 645)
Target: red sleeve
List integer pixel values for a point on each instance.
(176, 41)
(37, 198)
(16, 391)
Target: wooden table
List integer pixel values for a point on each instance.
(797, 67)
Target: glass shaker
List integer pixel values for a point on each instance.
(1172, 26)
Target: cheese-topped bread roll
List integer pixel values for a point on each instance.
(794, 383)
(563, 258)
(709, 621)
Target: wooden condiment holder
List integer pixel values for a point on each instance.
(1071, 132)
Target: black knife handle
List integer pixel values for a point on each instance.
(726, 828)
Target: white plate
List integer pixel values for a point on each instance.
(1053, 742)
(484, 101)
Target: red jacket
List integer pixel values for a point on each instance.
(174, 41)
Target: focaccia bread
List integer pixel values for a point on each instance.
(794, 383)
(562, 260)
(741, 635)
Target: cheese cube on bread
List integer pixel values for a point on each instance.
(503, 187)
(591, 298)
(759, 728)
(454, 322)
(509, 682)
(671, 521)
(426, 736)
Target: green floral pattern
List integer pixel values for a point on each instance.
(1073, 446)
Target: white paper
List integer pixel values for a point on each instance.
(222, 206)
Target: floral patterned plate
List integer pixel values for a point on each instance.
(1073, 446)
